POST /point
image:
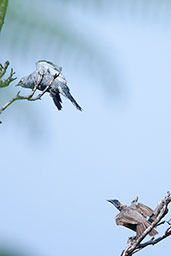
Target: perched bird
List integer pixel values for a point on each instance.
(132, 217)
(47, 72)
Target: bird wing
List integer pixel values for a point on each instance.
(126, 217)
(143, 209)
(56, 99)
(61, 79)
(44, 66)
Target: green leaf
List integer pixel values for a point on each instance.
(3, 8)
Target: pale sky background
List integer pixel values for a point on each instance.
(58, 168)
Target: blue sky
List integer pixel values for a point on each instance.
(58, 168)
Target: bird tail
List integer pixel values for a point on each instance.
(56, 99)
(153, 232)
(142, 227)
(68, 95)
(74, 102)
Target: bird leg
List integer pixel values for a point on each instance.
(131, 239)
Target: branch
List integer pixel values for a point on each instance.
(160, 211)
(155, 241)
(3, 69)
(30, 96)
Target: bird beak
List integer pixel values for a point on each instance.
(110, 201)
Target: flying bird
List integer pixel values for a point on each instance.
(133, 217)
(49, 72)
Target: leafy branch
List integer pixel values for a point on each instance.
(135, 245)
(3, 69)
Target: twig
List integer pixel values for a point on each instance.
(154, 241)
(135, 245)
(3, 69)
(19, 97)
(30, 96)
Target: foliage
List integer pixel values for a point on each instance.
(7, 81)
(3, 8)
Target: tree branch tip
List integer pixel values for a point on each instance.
(14, 78)
(12, 71)
(7, 63)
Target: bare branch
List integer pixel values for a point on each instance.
(135, 245)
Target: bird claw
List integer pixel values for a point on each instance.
(39, 96)
(131, 239)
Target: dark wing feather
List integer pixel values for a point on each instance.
(71, 98)
(66, 92)
(56, 99)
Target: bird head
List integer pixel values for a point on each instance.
(23, 82)
(117, 204)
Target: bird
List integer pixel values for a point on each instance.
(48, 73)
(133, 217)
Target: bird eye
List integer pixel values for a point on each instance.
(21, 80)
